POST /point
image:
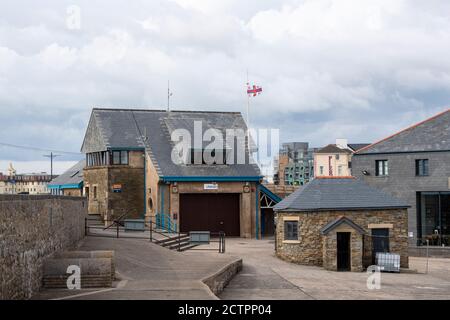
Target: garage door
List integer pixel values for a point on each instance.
(210, 212)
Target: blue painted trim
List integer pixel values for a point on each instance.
(211, 178)
(66, 186)
(270, 194)
(257, 213)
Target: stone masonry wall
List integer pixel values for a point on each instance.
(111, 204)
(330, 249)
(309, 249)
(33, 228)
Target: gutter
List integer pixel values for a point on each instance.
(211, 178)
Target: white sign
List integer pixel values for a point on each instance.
(411, 234)
(210, 186)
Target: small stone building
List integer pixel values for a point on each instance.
(340, 223)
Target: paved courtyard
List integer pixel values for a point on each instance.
(148, 271)
(266, 277)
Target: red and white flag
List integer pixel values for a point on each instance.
(253, 90)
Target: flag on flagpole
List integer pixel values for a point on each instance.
(253, 90)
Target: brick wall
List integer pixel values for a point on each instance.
(309, 249)
(32, 228)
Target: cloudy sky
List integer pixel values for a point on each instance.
(329, 68)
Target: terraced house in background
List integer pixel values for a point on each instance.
(26, 183)
(129, 172)
(414, 165)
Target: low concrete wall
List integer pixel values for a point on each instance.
(109, 254)
(219, 280)
(32, 229)
(95, 272)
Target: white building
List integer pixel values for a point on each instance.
(33, 183)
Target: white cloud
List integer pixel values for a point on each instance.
(326, 66)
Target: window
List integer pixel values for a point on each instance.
(422, 167)
(95, 193)
(209, 156)
(381, 168)
(124, 157)
(321, 169)
(434, 218)
(120, 157)
(340, 171)
(291, 230)
(337, 157)
(97, 159)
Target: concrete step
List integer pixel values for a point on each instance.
(185, 246)
(176, 245)
(174, 242)
(164, 241)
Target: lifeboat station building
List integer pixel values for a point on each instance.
(138, 166)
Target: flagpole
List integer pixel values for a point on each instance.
(248, 115)
(168, 95)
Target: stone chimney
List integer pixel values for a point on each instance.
(342, 143)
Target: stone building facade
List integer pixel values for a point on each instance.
(130, 170)
(318, 219)
(115, 190)
(314, 248)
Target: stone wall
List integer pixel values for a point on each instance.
(309, 247)
(33, 228)
(330, 249)
(111, 204)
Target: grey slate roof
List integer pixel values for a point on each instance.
(332, 148)
(357, 146)
(432, 134)
(338, 194)
(341, 220)
(122, 128)
(74, 175)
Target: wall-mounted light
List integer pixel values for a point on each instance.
(366, 173)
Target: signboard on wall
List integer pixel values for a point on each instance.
(117, 187)
(210, 186)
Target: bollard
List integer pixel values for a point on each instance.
(151, 231)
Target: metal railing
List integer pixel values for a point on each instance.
(153, 227)
(436, 240)
(116, 224)
(220, 240)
